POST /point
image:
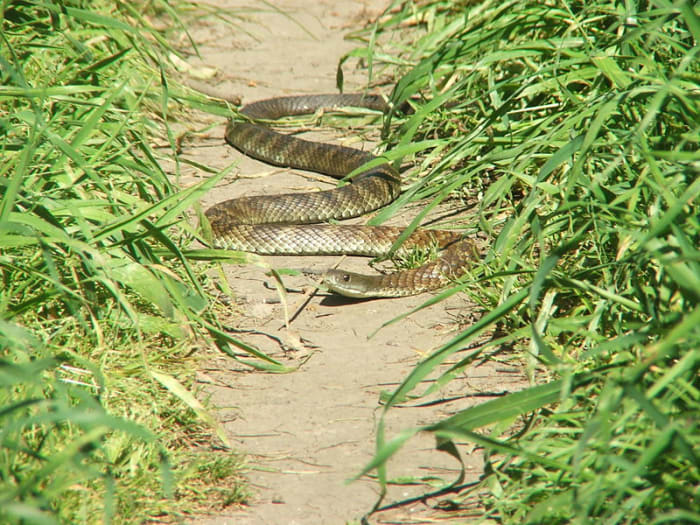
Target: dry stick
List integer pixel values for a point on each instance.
(309, 294)
(211, 91)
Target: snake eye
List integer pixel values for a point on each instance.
(346, 278)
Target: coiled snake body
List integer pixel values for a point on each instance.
(285, 224)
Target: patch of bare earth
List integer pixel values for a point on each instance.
(308, 432)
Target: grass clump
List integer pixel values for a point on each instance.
(98, 305)
(577, 126)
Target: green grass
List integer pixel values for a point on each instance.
(100, 307)
(574, 129)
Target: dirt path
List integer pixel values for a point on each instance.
(307, 432)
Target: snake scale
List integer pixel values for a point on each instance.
(287, 223)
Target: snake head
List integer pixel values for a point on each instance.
(348, 284)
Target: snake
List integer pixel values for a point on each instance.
(293, 223)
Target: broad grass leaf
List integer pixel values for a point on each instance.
(503, 408)
(178, 390)
(139, 279)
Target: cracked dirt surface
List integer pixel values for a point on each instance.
(307, 432)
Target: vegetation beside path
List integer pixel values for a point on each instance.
(577, 125)
(100, 308)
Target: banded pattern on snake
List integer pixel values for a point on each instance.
(286, 223)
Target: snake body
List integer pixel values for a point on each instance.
(286, 223)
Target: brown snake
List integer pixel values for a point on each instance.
(284, 224)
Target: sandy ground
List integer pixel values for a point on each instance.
(307, 432)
